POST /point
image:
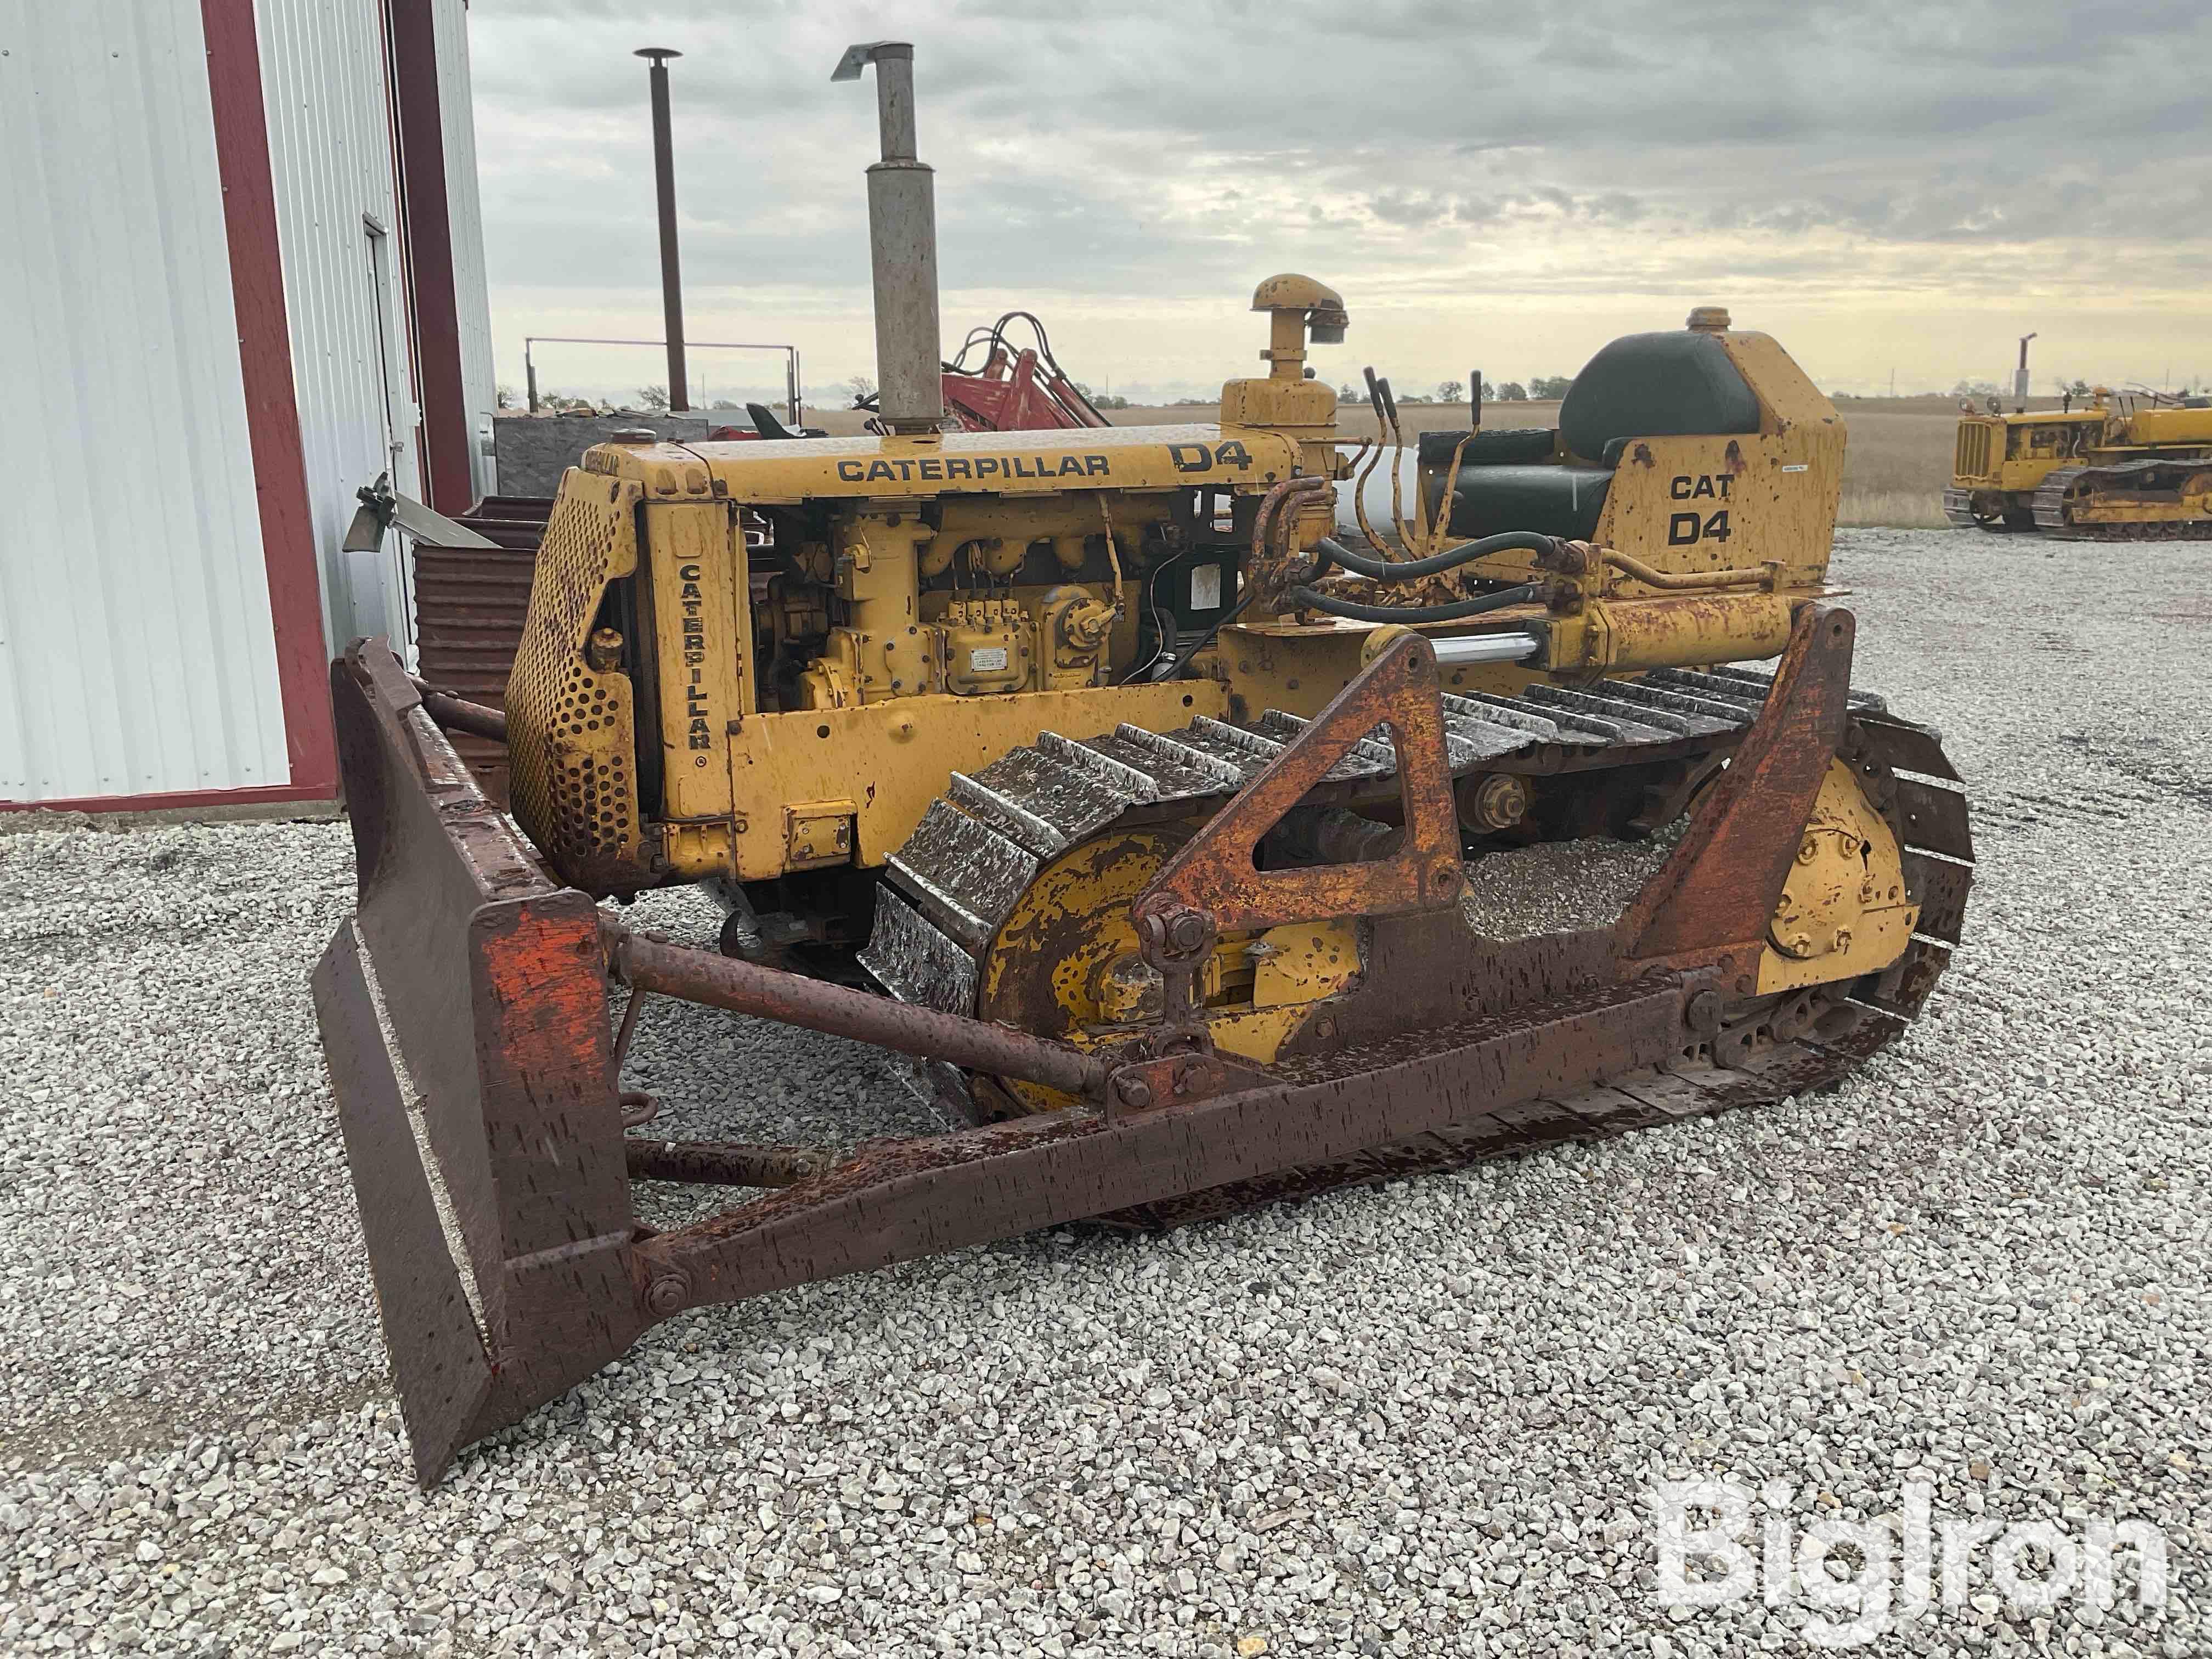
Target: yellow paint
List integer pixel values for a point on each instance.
(1843, 910)
(1284, 400)
(1073, 626)
(705, 651)
(1070, 931)
(927, 644)
(985, 646)
(817, 833)
(1026, 519)
(1777, 488)
(2180, 427)
(2002, 459)
(1672, 631)
(881, 651)
(572, 747)
(1303, 962)
(930, 465)
(893, 758)
(2117, 507)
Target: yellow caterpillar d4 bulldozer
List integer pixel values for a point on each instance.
(2128, 466)
(1193, 856)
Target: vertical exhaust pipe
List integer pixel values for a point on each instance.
(664, 185)
(902, 246)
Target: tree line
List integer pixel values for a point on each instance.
(1542, 388)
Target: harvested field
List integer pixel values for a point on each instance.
(1896, 467)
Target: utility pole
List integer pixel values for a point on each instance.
(663, 172)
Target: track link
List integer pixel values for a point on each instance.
(961, 873)
(2050, 504)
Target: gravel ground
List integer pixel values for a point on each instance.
(1418, 1419)
(1557, 887)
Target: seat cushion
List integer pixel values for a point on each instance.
(1656, 386)
(1551, 501)
(1491, 446)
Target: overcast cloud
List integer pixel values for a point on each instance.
(1883, 185)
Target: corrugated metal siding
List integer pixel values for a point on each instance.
(464, 208)
(470, 605)
(330, 149)
(137, 651)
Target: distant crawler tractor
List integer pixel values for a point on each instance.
(1135, 806)
(2131, 467)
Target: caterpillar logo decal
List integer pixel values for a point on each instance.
(940, 469)
(1688, 487)
(697, 710)
(1687, 529)
(936, 468)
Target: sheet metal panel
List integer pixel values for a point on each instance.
(464, 210)
(469, 606)
(136, 650)
(330, 149)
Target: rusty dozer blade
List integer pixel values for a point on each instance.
(462, 1009)
(465, 1011)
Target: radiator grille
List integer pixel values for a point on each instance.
(571, 744)
(1972, 459)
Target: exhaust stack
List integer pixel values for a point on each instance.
(902, 246)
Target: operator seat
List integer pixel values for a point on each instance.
(1641, 385)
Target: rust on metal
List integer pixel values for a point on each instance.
(1750, 576)
(723, 1163)
(1719, 885)
(745, 987)
(454, 714)
(1940, 886)
(1215, 874)
(490, 980)
(469, 606)
(917, 1197)
(1270, 534)
(530, 1271)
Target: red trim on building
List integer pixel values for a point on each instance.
(428, 236)
(263, 795)
(272, 416)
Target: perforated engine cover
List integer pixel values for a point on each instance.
(571, 742)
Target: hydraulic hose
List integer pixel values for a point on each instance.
(1332, 551)
(1313, 599)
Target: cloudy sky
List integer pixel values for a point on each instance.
(1887, 186)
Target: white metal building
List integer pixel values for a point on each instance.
(253, 225)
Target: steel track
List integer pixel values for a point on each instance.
(948, 888)
(2049, 503)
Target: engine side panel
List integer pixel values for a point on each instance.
(572, 747)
